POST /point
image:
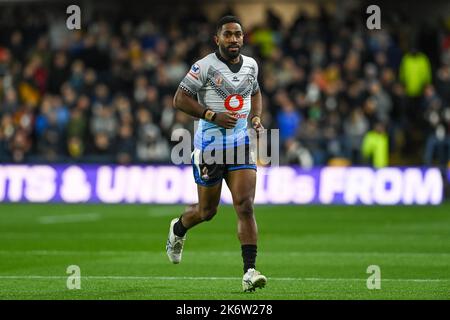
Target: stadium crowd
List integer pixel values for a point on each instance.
(337, 91)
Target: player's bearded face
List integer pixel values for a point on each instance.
(230, 40)
(231, 50)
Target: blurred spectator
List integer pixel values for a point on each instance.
(288, 118)
(438, 120)
(104, 121)
(150, 146)
(375, 146)
(125, 145)
(383, 102)
(311, 137)
(50, 142)
(415, 72)
(332, 135)
(16, 45)
(176, 70)
(355, 127)
(264, 38)
(20, 146)
(296, 154)
(10, 103)
(77, 77)
(59, 72)
(443, 83)
(102, 149)
(76, 133)
(7, 131)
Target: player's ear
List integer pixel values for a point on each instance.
(216, 39)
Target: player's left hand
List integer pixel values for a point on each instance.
(257, 125)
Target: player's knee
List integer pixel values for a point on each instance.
(207, 214)
(244, 207)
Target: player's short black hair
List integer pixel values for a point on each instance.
(225, 20)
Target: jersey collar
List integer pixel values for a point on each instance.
(234, 67)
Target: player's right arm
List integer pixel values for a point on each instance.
(184, 99)
(184, 102)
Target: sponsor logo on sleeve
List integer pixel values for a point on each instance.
(195, 71)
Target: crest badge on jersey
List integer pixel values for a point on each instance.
(195, 71)
(218, 80)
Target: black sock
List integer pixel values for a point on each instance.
(248, 256)
(179, 229)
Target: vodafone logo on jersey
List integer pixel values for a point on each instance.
(235, 102)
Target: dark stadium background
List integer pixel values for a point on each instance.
(84, 104)
(111, 84)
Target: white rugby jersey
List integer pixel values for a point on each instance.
(222, 87)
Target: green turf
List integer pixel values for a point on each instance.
(307, 252)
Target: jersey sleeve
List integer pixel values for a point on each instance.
(255, 88)
(194, 79)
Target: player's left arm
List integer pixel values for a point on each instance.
(256, 102)
(256, 111)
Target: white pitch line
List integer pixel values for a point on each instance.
(29, 277)
(69, 218)
(223, 253)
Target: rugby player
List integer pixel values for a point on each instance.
(223, 92)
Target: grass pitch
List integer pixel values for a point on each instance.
(307, 252)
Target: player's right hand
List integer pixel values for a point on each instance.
(225, 120)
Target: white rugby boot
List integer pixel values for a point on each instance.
(253, 279)
(174, 246)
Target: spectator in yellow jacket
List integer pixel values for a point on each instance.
(375, 146)
(415, 72)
